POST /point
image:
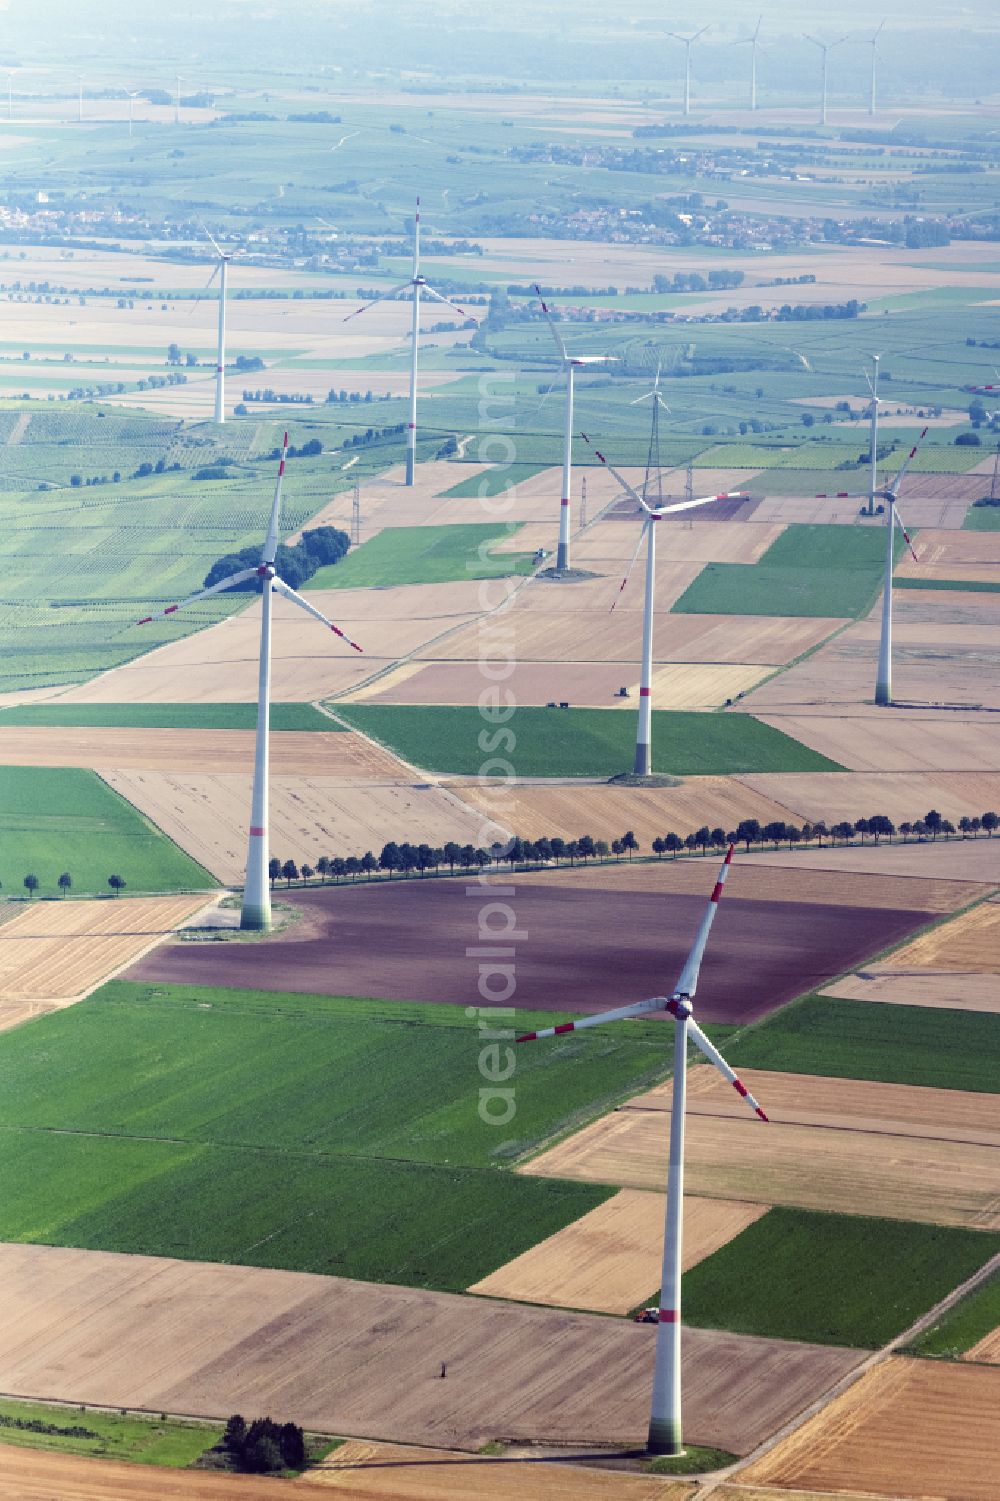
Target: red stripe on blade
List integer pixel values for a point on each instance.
(761, 1114)
(284, 442)
(145, 620)
(566, 1027)
(729, 855)
(170, 609)
(717, 892)
(738, 1084)
(527, 1037)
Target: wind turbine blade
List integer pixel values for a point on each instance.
(646, 396)
(227, 583)
(210, 235)
(686, 505)
(688, 982)
(271, 540)
(713, 1055)
(385, 297)
(894, 487)
(289, 593)
(551, 322)
(906, 536)
(658, 1003)
(430, 292)
(619, 477)
(642, 537)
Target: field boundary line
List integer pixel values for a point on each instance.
(844, 1384)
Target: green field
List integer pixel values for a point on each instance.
(582, 742)
(833, 1279)
(808, 570)
(54, 820)
(965, 586)
(894, 1044)
(425, 555)
(971, 1319)
(492, 481)
(982, 519)
(168, 716)
(106, 1435)
(157, 1120)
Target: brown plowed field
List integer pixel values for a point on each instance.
(541, 810)
(903, 796)
(912, 1428)
(361, 1471)
(574, 943)
(970, 943)
(207, 814)
(342, 754)
(752, 881)
(57, 951)
(868, 744)
(358, 1359)
(963, 556)
(219, 665)
(553, 634)
(847, 1158)
(957, 860)
(610, 1260)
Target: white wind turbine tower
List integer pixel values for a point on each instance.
(570, 363)
(874, 46)
(752, 42)
(825, 48)
(665, 1414)
(651, 515)
(873, 389)
(689, 42)
(890, 494)
(417, 285)
(220, 271)
(256, 910)
(133, 95)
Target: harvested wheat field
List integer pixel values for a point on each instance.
(987, 1351)
(540, 810)
(359, 1359)
(903, 796)
(608, 1260)
(853, 1154)
(701, 542)
(909, 1428)
(219, 665)
(34, 1475)
(207, 814)
(342, 754)
(569, 942)
(970, 944)
(58, 951)
(941, 989)
(798, 881)
(896, 743)
(965, 557)
(550, 632)
(958, 859)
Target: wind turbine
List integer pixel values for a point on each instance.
(753, 43)
(873, 388)
(665, 1413)
(874, 46)
(689, 42)
(177, 101)
(570, 363)
(651, 515)
(825, 48)
(256, 910)
(133, 95)
(417, 285)
(221, 271)
(80, 110)
(890, 494)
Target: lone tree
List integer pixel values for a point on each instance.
(117, 884)
(31, 884)
(65, 882)
(290, 871)
(273, 869)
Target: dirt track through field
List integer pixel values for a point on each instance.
(848, 1146)
(927, 1425)
(55, 952)
(970, 943)
(610, 1260)
(573, 941)
(359, 1359)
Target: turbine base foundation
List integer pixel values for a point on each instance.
(255, 918)
(643, 761)
(883, 695)
(409, 468)
(665, 1438)
(562, 557)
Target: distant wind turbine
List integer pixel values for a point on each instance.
(133, 96)
(80, 113)
(256, 911)
(689, 42)
(825, 48)
(417, 284)
(221, 271)
(873, 44)
(752, 42)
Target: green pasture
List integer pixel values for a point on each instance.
(894, 1044)
(495, 481)
(966, 586)
(426, 555)
(136, 1437)
(137, 716)
(831, 1279)
(964, 1325)
(982, 519)
(807, 571)
(542, 742)
(55, 819)
(330, 1135)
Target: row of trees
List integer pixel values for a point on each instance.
(31, 883)
(406, 859)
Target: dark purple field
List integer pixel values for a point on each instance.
(581, 950)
